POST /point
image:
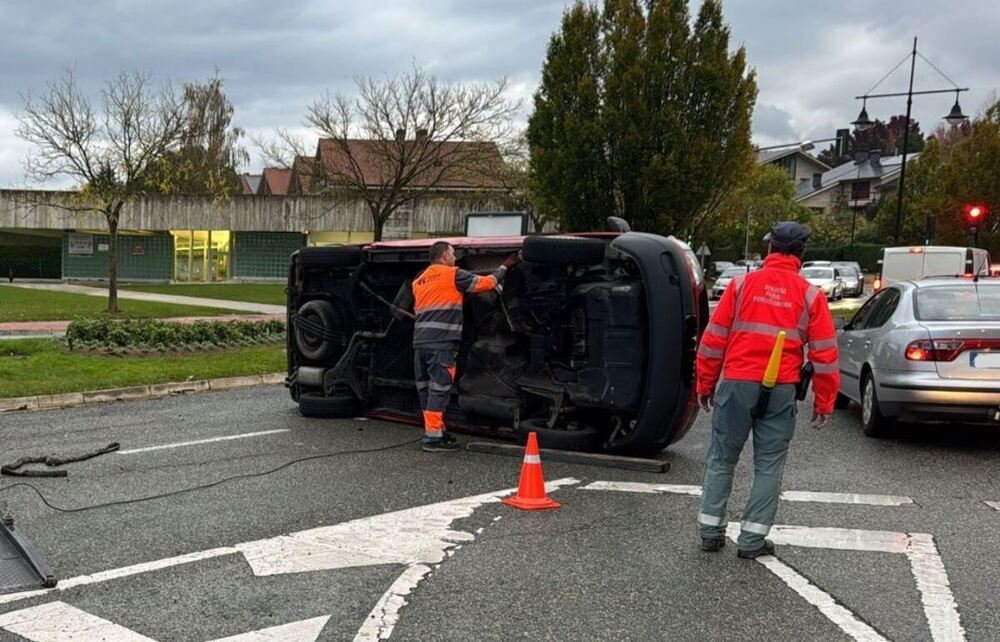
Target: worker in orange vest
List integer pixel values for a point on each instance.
(755, 308)
(438, 294)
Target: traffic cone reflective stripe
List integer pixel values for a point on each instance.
(531, 490)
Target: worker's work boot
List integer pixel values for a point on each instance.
(439, 444)
(767, 548)
(712, 544)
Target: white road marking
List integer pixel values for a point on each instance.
(994, 505)
(928, 570)
(845, 498)
(789, 495)
(383, 618)
(182, 444)
(302, 631)
(57, 621)
(640, 487)
(842, 617)
(418, 535)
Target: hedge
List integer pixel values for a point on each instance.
(158, 335)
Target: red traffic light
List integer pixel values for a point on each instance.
(975, 213)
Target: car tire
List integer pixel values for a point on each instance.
(339, 406)
(311, 345)
(875, 424)
(337, 256)
(841, 402)
(587, 438)
(563, 250)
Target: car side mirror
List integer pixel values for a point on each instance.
(839, 323)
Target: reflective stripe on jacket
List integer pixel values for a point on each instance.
(753, 309)
(437, 301)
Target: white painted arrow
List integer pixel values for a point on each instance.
(302, 631)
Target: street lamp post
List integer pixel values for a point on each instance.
(864, 123)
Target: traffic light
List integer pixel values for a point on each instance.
(974, 217)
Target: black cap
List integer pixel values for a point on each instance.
(788, 236)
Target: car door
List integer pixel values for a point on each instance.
(850, 344)
(871, 342)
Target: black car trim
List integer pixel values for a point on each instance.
(933, 388)
(848, 374)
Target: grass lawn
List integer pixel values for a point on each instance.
(845, 307)
(22, 304)
(44, 366)
(272, 293)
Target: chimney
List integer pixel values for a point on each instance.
(876, 158)
(817, 180)
(401, 134)
(843, 135)
(421, 135)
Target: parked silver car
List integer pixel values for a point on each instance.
(854, 282)
(925, 350)
(720, 284)
(826, 279)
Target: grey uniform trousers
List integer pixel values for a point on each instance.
(731, 424)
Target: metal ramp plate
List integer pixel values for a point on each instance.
(21, 568)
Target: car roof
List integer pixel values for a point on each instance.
(984, 280)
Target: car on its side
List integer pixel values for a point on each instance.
(826, 279)
(590, 343)
(722, 282)
(854, 282)
(927, 351)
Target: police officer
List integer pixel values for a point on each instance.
(438, 293)
(737, 343)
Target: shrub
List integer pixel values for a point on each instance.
(143, 335)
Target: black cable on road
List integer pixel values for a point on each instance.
(124, 502)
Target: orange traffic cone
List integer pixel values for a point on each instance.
(531, 491)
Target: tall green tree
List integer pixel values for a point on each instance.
(641, 115)
(566, 131)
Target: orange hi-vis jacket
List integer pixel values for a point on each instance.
(753, 309)
(437, 301)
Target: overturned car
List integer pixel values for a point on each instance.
(590, 342)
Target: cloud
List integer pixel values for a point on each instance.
(811, 58)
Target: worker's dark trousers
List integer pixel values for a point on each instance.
(731, 424)
(434, 366)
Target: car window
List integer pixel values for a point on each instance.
(960, 302)
(902, 266)
(861, 316)
(817, 273)
(883, 309)
(944, 263)
(733, 271)
(847, 271)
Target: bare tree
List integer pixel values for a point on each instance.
(401, 137)
(109, 150)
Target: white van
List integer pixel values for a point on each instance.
(917, 262)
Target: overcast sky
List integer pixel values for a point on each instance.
(812, 56)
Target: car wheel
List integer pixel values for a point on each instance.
(314, 326)
(841, 402)
(563, 250)
(875, 423)
(339, 406)
(583, 438)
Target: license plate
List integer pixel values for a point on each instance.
(985, 360)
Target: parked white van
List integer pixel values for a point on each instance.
(917, 262)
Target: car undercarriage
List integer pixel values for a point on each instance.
(589, 343)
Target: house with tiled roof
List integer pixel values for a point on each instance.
(801, 166)
(249, 183)
(854, 185)
(275, 182)
(302, 176)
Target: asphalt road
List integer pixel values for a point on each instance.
(609, 565)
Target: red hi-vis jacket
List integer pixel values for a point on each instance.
(437, 301)
(753, 309)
